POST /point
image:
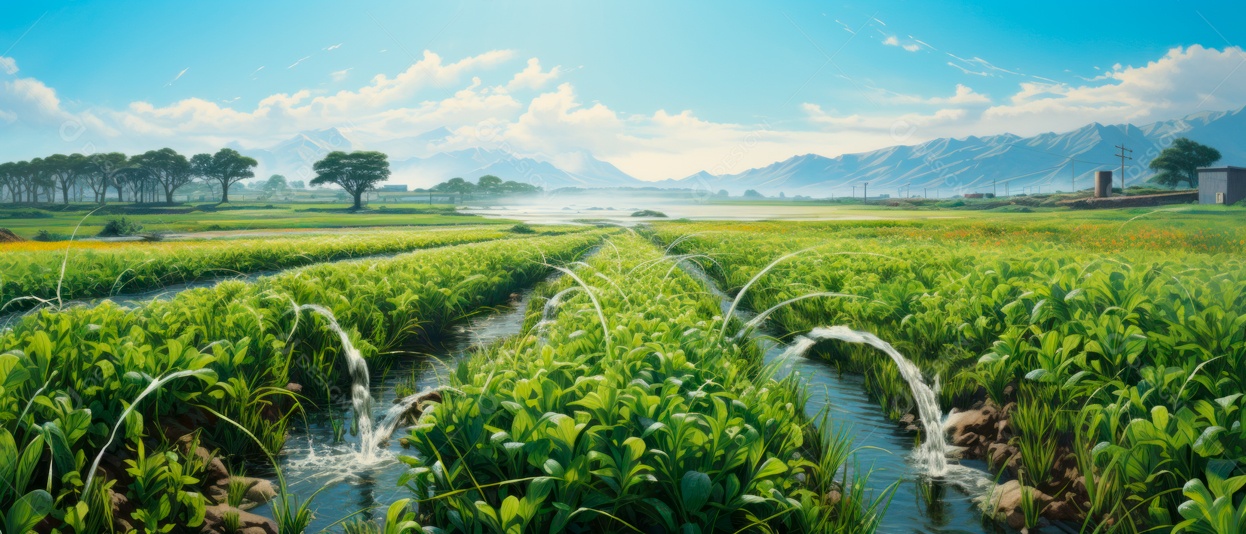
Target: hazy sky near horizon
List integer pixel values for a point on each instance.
(660, 89)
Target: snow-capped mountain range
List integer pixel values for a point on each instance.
(999, 163)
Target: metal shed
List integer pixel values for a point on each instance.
(1221, 185)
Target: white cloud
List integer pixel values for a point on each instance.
(296, 63)
(339, 75)
(385, 107)
(963, 96)
(532, 77)
(333, 47)
(892, 40)
(911, 44)
(1184, 81)
(8, 65)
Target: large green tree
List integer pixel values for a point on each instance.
(102, 173)
(167, 168)
(1180, 162)
(355, 172)
(10, 180)
(489, 184)
(38, 178)
(455, 185)
(65, 171)
(227, 167)
(276, 184)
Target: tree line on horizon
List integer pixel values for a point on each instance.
(485, 185)
(145, 177)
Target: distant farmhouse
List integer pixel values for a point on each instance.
(1221, 185)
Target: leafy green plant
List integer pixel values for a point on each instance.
(231, 521)
(236, 491)
(1214, 507)
(120, 227)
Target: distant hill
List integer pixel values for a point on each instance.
(977, 164)
(294, 157)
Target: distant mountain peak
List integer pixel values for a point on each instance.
(996, 163)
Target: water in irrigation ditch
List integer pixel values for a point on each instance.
(921, 503)
(348, 481)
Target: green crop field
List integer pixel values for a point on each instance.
(89, 219)
(1113, 354)
(36, 273)
(1091, 362)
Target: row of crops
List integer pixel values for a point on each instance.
(84, 383)
(627, 408)
(92, 270)
(1120, 370)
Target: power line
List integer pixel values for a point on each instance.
(1123, 157)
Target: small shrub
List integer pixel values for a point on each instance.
(648, 213)
(360, 526)
(522, 228)
(45, 235)
(237, 491)
(121, 227)
(231, 521)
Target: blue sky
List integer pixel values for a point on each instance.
(661, 89)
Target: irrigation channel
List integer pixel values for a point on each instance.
(350, 479)
(357, 475)
(945, 503)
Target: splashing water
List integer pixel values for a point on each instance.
(932, 454)
(360, 399)
(389, 423)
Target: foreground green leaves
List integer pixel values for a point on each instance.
(1123, 372)
(67, 378)
(673, 427)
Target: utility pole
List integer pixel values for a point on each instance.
(1123, 157)
(854, 191)
(993, 186)
(865, 196)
